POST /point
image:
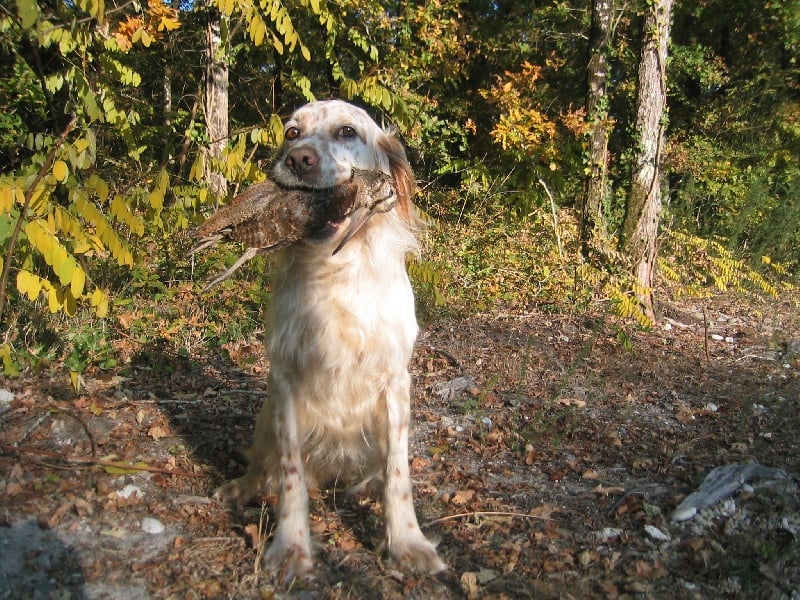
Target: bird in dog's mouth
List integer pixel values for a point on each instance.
(268, 216)
(374, 193)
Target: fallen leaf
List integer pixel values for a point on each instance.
(461, 497)
(125, 319)
(157, 432)
(419, 464)
(469, 583)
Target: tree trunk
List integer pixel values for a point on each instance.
(640, 230)
(596, 186)
(166, 83)
(216, 97)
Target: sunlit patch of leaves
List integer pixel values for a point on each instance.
(702, 265)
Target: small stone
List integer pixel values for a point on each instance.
(5, 400)
(129, 490)
(656, 533)
(152, 526)
(684, 514)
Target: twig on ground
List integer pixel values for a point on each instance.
(482, 513)
(94, 462)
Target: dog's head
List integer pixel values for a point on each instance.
(324, 141)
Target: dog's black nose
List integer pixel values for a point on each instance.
(302, 160)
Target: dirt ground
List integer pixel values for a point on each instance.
(548, 454)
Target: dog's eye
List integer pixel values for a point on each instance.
(291, 133)
(347, 132)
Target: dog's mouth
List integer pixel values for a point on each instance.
(350, 224)
(326, 230)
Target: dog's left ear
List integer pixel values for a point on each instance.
(403, 176)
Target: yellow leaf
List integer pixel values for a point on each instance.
(75, 380)
(99, 302)
(81, 246)
(69, 303)
(102, 307)
(29, 284)
(78, 281)
(60, 170)
(199, 167)
(66, 266)
(168, 23)
(53, 301)
(6, 198)
(39, 198)
(259, 30)
(99, 186)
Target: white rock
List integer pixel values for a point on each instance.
(153, 526)
(129, 490)
(656, 533)
(683, 514)
(5, 400)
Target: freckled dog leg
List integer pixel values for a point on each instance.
(404, 540)
(290, 550)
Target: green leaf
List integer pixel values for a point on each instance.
(28, 11)
(10, 368)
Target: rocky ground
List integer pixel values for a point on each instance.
(549, 453)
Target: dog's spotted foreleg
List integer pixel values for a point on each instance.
(404, 540)
(289, 552)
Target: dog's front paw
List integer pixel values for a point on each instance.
(237, 491)
(416, 553)
(288, 558)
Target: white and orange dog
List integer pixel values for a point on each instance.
(341, 329)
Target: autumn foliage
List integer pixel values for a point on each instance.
(105, 148)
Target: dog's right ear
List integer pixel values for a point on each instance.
(402, 174)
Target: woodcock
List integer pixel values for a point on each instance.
(267, 217)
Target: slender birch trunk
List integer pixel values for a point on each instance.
(640, 229)
(216, 97)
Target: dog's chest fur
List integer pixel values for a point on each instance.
(340, 332)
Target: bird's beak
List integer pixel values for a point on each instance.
(358, 219)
